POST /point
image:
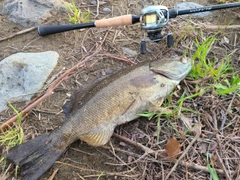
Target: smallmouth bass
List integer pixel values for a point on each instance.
(95, 110)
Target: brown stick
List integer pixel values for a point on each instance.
(223, 166)
(215, 27)
(140, 146)
(198, 167)
(53, 174)
(118, 57)
(18, 33)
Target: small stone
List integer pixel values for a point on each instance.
(106, 10)
(129, 52)
(24, 74)
(93, 3)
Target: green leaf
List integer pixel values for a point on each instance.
(147, 114)
(228, 90)
(219, 86)
(211, 170)
(235, 80)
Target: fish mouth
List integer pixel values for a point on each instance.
(176, 71)
(159, 73)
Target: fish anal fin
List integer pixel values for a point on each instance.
(98, 138)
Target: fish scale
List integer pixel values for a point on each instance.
(95, 110)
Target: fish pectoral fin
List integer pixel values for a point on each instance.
(155, 106)
(98, 138)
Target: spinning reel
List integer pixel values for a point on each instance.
(153, 20)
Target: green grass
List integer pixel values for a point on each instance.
(100, 175)
(211, 169)
(228, 86)
(224, 79)
(12, 136)
(75, 15)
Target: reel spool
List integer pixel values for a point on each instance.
(153, 20)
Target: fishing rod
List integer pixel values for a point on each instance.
(152, 18)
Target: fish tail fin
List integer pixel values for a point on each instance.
(34, 157)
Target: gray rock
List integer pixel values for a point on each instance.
(24, 74)
(31, 13)
(107, 10)
(93, 2)
(191, 5)
(129, 52)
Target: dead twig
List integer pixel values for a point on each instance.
(224, 115)
(97, 9)
(199, 168)
(80, 176)
(138, 145)
(118, 57)
(53, 174)
(235, 172)
(18, 33)
(223, 166)
(5, 175)
(214, 27)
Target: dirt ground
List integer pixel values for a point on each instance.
(118, 159)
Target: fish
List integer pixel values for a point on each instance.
(94, 110)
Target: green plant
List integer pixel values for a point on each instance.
(100, 175)
(75, 15)
(202, 67)
(211, 170)
(12, 137)
(220, 72)
(228, 87)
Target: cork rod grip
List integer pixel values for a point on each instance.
(116, 21)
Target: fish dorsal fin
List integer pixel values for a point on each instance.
(75, 103)
(98, 138)
(86, 92)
